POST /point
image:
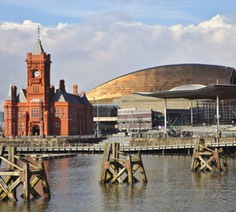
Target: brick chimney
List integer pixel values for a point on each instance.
(62, 86)
(14, 92)
(75, 89)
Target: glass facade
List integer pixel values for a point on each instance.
(105, 110)
(105, 118)
(136, 120)
(205, 112)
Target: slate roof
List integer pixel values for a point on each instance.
(21, 97)
(63, 96)
(9, 95)
(38, 48)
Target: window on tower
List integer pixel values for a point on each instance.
(35, 89)
(57, 124)
(35, 112)
(21, 112)
(9, 127)
(57, 113)
(8, 113)
(63, 113)
(20, 127)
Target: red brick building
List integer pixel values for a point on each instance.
(39, 109)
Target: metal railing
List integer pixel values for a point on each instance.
(133, 145)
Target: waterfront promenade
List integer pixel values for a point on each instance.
(144, 145)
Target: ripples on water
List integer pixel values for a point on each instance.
(171, 187)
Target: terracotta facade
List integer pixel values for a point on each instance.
(40, 109)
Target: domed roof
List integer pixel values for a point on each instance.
(163, 78)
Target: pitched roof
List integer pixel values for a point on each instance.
(63, 96)
(21, 96)
(9, 95)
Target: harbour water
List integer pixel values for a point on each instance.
(171, 187)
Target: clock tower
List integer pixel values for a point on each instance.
(38, 88)
(38, 74)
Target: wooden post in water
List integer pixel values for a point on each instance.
(118, 169)
(26, 182)
(16, 174)
(207, 159)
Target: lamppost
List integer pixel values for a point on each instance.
(139, 122)
(132, 123)
(217, 114)
(41, 126)
(70, 125)
(98, 128)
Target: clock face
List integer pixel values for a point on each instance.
(36, 73)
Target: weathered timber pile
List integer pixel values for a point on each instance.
(21, 172)
(207, 159)
(118, 167)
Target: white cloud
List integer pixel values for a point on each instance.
(97, 51)
(215, 22)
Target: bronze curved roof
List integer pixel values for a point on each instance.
(163, 78)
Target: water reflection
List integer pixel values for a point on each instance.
(120, 191)
(121, 196)
(171, 187)
(24, 206)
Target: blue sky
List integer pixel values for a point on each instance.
(166, 12)
(94, 41)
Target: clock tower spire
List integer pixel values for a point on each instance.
(38, 73)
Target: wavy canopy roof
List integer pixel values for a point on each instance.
(206, 92)
(188, 87)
